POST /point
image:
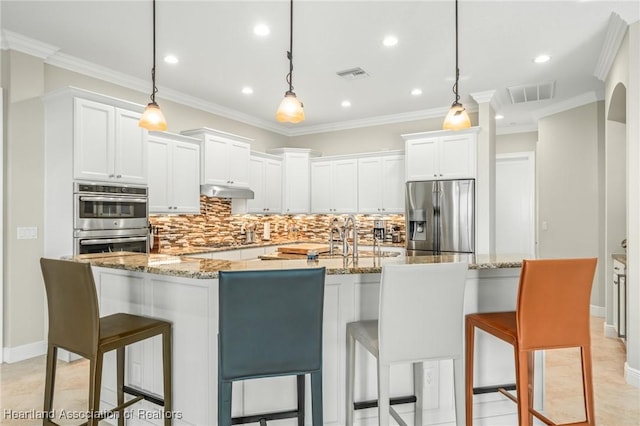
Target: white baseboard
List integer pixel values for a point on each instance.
(20, 353)
(597, 311)
(631, 375)
(610, 331)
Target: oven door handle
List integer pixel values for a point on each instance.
(112, 240)
(114, 199)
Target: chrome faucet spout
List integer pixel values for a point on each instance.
(350, 224)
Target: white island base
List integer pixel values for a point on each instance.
(191, 304)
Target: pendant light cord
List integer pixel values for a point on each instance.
(154, 89)
(290, 52)
(455, 85)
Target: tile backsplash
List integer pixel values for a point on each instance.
(217, 225)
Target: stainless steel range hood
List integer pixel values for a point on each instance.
(220, 191)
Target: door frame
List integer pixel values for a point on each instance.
(530, 158)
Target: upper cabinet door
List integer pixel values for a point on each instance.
(108, 145)
(238, 164)
(296, 175)
(93, 141)
(186, 177)
(273, 186)
(370, 185)
(160, 176)
(457, 157)
(322, 187)
(214, 165)
(422, 159)
(345, 186)
(392, 178)
(130, 148)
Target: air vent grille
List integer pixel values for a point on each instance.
(353, 74)
(531, 92)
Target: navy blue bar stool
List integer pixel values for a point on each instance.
(270, 324)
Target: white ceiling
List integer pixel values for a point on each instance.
(219, 54)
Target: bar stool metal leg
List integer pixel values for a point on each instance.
(120, 383)
(167, 345)
(300, 386)
(350, 373)
(95, 382)
(316, 398)
(458, 384)
(469, 351)
(383, 394)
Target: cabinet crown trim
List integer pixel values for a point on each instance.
(174, 137)
(75, 92)
(436, 133)
(213, 132)
(359, 155)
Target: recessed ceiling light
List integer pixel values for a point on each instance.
(499, 116)
(345, 104)
(171, 59)
(416, 92)
(247, 90)
(261, 30)
(541, 59)
(390, 41)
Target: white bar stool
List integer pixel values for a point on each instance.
(420, 318)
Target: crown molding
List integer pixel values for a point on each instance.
(374, 121)
(616, 29)
(20, 43)
(575, 102)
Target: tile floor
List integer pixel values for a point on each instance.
(616, 403)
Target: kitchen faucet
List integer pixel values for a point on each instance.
(350, 223)
(335, 229)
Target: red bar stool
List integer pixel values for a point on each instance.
(552, 312)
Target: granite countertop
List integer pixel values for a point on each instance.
(620, 257)
(191, 267)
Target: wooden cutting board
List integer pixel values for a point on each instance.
(304, 248)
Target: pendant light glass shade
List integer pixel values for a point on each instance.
(457, 118)
(153, 118)
(290, 109)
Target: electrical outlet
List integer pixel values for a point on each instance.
(431, 387)
(27, 232)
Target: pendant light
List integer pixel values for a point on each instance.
(290, 109)
(457, 117)
(152, 117)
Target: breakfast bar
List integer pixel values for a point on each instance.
(184, 290)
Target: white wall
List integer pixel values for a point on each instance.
(516, 142)
(568, 187)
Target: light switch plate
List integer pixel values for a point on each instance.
(27, 232)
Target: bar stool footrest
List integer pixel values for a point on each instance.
(147, 396)
(393, 401)
(492, 389)
(258, 418)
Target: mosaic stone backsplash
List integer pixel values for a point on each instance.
(216, 225)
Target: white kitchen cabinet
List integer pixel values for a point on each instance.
(296, 178)
(441, 155)
(174, 173)
(334, 185)
(381, 184)
(108, 144)
(265, 179)
(224, 157)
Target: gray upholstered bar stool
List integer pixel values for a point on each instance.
(75, 325)
(270, 324)
(420, 318)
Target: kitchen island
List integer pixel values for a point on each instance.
(184, 290)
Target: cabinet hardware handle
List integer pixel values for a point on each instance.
(111, 176)
(118, 176)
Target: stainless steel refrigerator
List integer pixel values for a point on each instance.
(440, 217)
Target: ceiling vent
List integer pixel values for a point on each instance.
(353, 74)
(532, 92)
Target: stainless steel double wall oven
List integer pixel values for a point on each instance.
(110, 218)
